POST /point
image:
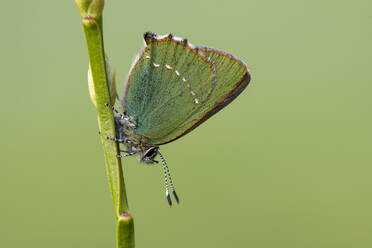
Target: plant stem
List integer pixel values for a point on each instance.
(125, 231)
(94, 39)
(93, 34)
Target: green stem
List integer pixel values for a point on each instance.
(94, 38)
(125, 231)
(93, 34)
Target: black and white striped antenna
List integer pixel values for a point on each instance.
(167, 176)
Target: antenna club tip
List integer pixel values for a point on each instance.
(169, 200)
(176, 197)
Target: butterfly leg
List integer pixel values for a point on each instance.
(126, 155)
(115, 139)
(122, 119)
(114, 109)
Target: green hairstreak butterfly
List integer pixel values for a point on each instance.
(173, 87)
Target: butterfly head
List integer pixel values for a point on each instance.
(148, 155)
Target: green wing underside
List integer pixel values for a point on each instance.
(173, 87)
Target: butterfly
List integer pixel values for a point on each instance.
(172, 88)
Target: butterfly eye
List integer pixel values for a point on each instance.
(150, 154)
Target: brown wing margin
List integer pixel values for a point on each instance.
(243, 83)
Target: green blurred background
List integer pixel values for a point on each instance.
(288, 164)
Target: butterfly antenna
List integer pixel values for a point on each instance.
(166, 182)
(165, 166)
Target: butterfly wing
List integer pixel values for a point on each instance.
(174, 86)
